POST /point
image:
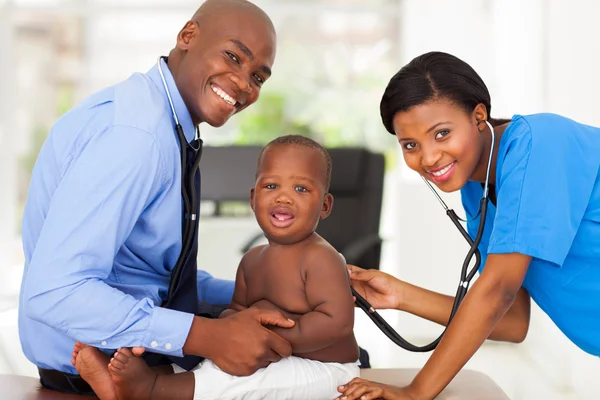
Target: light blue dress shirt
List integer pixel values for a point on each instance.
(102, 227)
(548, 191)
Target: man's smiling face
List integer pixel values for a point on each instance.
(227, 58)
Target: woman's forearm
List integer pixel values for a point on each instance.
(482, 309)
(436, 307)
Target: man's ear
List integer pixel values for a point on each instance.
(186, 36)
(252, 199)
(327, 205)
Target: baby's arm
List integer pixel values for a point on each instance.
(238, 302)
(329, 296)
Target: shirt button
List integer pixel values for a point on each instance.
(154, 343)
(103, 343)
(168, 346)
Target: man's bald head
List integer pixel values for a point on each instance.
(211, 9)
(224, 55)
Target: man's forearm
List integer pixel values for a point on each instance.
(110, 319)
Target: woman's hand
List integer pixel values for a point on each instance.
(381, 290)
(362, 389)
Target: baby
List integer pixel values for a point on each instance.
(297, 272)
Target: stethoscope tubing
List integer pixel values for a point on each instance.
(188, 190)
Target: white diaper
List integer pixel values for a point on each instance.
(291, 378)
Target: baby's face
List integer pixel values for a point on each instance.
(290, 196)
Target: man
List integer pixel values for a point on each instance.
(102, 227)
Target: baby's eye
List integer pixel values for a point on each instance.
(301, 189)
(442, 134)
(271, 186)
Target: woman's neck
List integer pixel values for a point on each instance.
(481, 171)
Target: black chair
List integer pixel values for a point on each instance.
(228, 173)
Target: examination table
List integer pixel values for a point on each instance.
(468, 385)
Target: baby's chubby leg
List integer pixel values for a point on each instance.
(134, 380)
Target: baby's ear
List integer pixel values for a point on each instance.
(252, 199)
(327, 205)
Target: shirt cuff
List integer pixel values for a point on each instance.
(168, 331)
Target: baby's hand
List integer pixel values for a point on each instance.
(267, 305)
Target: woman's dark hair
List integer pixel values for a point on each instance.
(432, 76)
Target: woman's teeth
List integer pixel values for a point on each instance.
(228, 99)
(443, 170)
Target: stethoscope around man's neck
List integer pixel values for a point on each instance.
(188, 187)
(465, 276)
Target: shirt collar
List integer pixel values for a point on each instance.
(180, 108)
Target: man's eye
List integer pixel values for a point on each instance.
(259, 79)
(271, 186)
(233, 57)
(301, 189)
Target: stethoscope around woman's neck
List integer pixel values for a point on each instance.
(188, 187)
(465, 276)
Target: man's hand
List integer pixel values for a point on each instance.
(240, 344)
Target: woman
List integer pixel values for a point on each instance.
(542, 233)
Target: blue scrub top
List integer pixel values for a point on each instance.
(548, 207)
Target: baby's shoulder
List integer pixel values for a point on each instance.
(322, 254)
(250, 258)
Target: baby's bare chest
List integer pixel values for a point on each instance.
(282, 285)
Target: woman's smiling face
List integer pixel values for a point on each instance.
(441, 141)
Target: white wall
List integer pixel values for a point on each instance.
(7, 136)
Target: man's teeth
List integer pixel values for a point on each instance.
(228, 99)
(442, 171)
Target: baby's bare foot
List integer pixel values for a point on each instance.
(92, 365)
(132, 377)
(76, 349)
